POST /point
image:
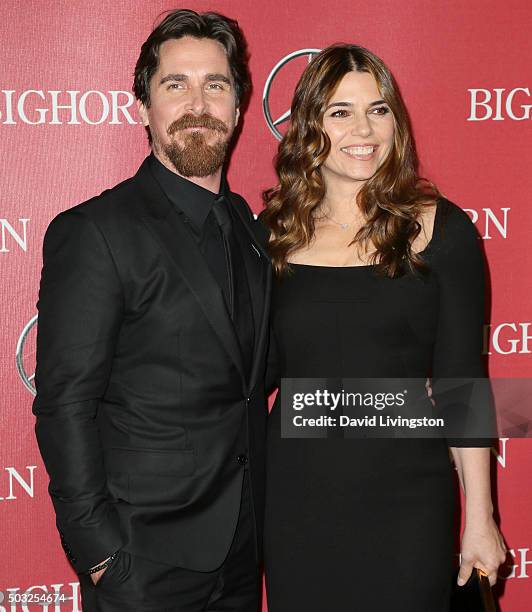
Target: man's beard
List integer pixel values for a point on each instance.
(194, 157)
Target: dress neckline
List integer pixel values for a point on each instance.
(427, 248)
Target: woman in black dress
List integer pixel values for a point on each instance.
(377, 276)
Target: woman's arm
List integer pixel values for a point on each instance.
(459, 269)
(482, 544)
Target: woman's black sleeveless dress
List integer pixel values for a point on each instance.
(365, 525)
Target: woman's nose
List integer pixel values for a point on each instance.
(361, 125)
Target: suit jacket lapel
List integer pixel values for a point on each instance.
(258, 270)
(176, 240)
(255, 273)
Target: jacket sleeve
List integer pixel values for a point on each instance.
(80, 309)
(459, 383)
(273, 370)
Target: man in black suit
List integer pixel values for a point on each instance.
(153, 315)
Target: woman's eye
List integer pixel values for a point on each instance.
(339, 113)
(381, 110)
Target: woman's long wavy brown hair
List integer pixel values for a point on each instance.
(390, 200)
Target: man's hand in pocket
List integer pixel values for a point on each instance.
(97, 575)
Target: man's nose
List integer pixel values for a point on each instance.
(196, 102)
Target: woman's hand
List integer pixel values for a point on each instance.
(482, 547)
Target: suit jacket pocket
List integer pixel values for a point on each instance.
(118, 486)
(155, 477)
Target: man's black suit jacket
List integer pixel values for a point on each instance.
(145, 419)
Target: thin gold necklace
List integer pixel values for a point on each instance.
(344, 226)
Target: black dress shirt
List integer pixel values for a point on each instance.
(195, 203)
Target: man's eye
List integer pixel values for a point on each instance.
(175, 86)
(215, 86)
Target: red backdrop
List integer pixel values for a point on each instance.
(69, 129)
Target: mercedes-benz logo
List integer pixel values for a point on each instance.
(273, 123)
(26, 377)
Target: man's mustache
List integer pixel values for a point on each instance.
(197, 121)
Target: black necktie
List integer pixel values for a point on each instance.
(239, 297)
(223, 218)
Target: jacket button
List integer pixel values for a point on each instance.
(242, 459)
